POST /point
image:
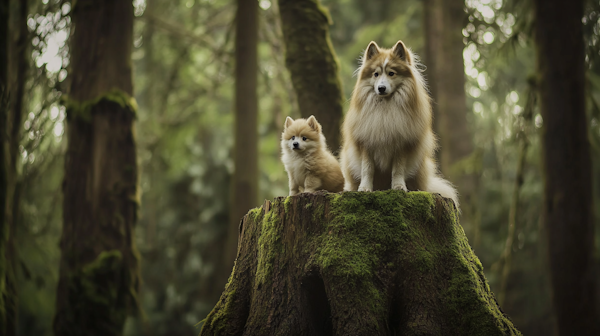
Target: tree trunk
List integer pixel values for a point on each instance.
(4, 10)
(455, 136)
(432, 22)
(313, 66)
(357, 263)
(245, 177)
(444, 22)
(99, 271)
(567, 214)
(17, 77)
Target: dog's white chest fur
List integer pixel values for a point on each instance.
(296, 166)
(382, 128)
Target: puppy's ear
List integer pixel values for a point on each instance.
(372, 50)
(314, 124)
(401, 51)
(288, 122)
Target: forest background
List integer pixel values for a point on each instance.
(183, 77)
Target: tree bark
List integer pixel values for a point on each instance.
(456, 140)
(567, 211)
(245, 152)
(99, 266)
(378, 263)
(432, 22)
(17, 77)
(311, 60)
(4, 10)
(444, 22)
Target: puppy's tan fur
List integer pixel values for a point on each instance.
(388, 138)
(310, 166)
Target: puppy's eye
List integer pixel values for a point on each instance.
(391, 74)
(376, 74)
(293, 138)
(304, 138)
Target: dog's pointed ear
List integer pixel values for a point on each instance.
(288, 122)
(314, 124)
(401, 51)
(372, 50)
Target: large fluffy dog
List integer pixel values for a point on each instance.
(388, 137)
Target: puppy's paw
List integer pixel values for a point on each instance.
(400, 187)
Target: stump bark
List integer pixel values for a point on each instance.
(356, 263)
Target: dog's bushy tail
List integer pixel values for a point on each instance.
(436, 184)
(439, 185)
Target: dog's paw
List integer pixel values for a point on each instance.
(365, 188)
(400, 187)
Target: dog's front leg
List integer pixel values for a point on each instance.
(312, 184)
(367, 172)
(294, 187)
(398, 176)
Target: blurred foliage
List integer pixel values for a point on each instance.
(183, 72)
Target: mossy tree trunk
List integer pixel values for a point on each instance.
(568, 199)
(244, 184)
(99, 274)
(357, 263)
(311, 60)
(4, 10)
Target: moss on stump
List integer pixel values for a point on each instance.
(356, 263)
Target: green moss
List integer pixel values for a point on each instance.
(101, 292)
(255, 213)
(107, 262)
(365, 227)
(467, 286)
(219, 317)
(83, 110)
(318, 212)
(269, 243)
(287, 203)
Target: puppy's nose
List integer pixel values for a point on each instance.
(381, 88)
(296, 145)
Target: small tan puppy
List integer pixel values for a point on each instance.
(388, 137)
(308, 162)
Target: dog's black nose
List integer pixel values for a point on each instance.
(381, 88)
(296, 145)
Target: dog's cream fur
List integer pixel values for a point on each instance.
(309, 164)
(388, 137)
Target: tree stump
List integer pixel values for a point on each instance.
(356, 263)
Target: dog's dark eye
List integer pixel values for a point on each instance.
(391, 74)
(293, 138)
(376, 74)
(304, 138)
